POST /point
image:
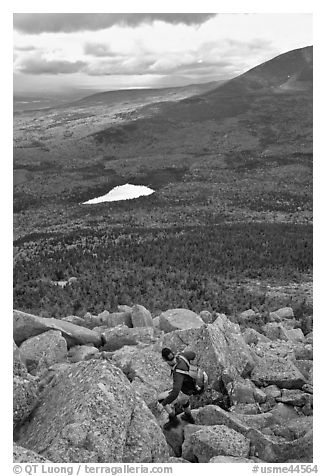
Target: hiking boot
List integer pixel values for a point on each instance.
(188, 418)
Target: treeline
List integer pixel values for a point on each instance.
(197, 268)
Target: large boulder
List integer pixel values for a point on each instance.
(273, 451)
(78, 321)
(91, 414)
(148, 373)
(214, 415)
(179, 319)
(22, 455)
(140, 316)
(276, 371)
(25, 397)
(276, 366)
(280, 314)
(120, 336)
(27, 325)
(113, 319)
(218, 440)
(44, 350)
(219, 348)
(25, 389)
(296, 398)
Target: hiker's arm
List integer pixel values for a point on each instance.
(177, 385)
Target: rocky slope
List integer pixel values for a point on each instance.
(78, 398)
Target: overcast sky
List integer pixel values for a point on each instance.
(54, 51)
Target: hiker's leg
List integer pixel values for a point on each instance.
(186, 407)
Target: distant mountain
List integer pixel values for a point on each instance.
(110, 98)
(289, 72)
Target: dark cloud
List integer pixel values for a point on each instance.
(35, 23)
(42, 66)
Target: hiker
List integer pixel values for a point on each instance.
(183, 384)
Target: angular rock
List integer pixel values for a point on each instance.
(246, 409)
(113, 319)
(230, 459)
(78, 321)
(44, 350)
(99, 418)
(120, 336)
(280, 314)
(207, 317)
(22, 455)
(19, 362)
(251, 336)
(25, 389)
(219, 347)
(179, 319)
(272, 451)
(276, 370)
(307, 324)
(303, 352)
(218, 440)
(25, 397)
(141, 317)
(272, 391)
(27, 325)
(247, 315)
(296, 398)
(174, 459)
(294, 428)
(306, 368)
(148, 373)
(81, 352)
(274, 331)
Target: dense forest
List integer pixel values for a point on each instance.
(197, 267)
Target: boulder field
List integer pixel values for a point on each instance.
(86, 389)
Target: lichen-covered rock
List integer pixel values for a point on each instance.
(44, 350)
(98, 418)
(25, 389)
(148, 373)
(218, 440)
(81, 352)
(27, 325)
(219, 347)
(22, 455)
(179, 319)
(118, 337)
(141, 317)
(276, 366)
(25, 396)
(273, 451)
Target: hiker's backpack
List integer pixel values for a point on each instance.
(196, 373)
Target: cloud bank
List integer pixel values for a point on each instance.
(35, 23)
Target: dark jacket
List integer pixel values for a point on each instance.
(181, 382)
